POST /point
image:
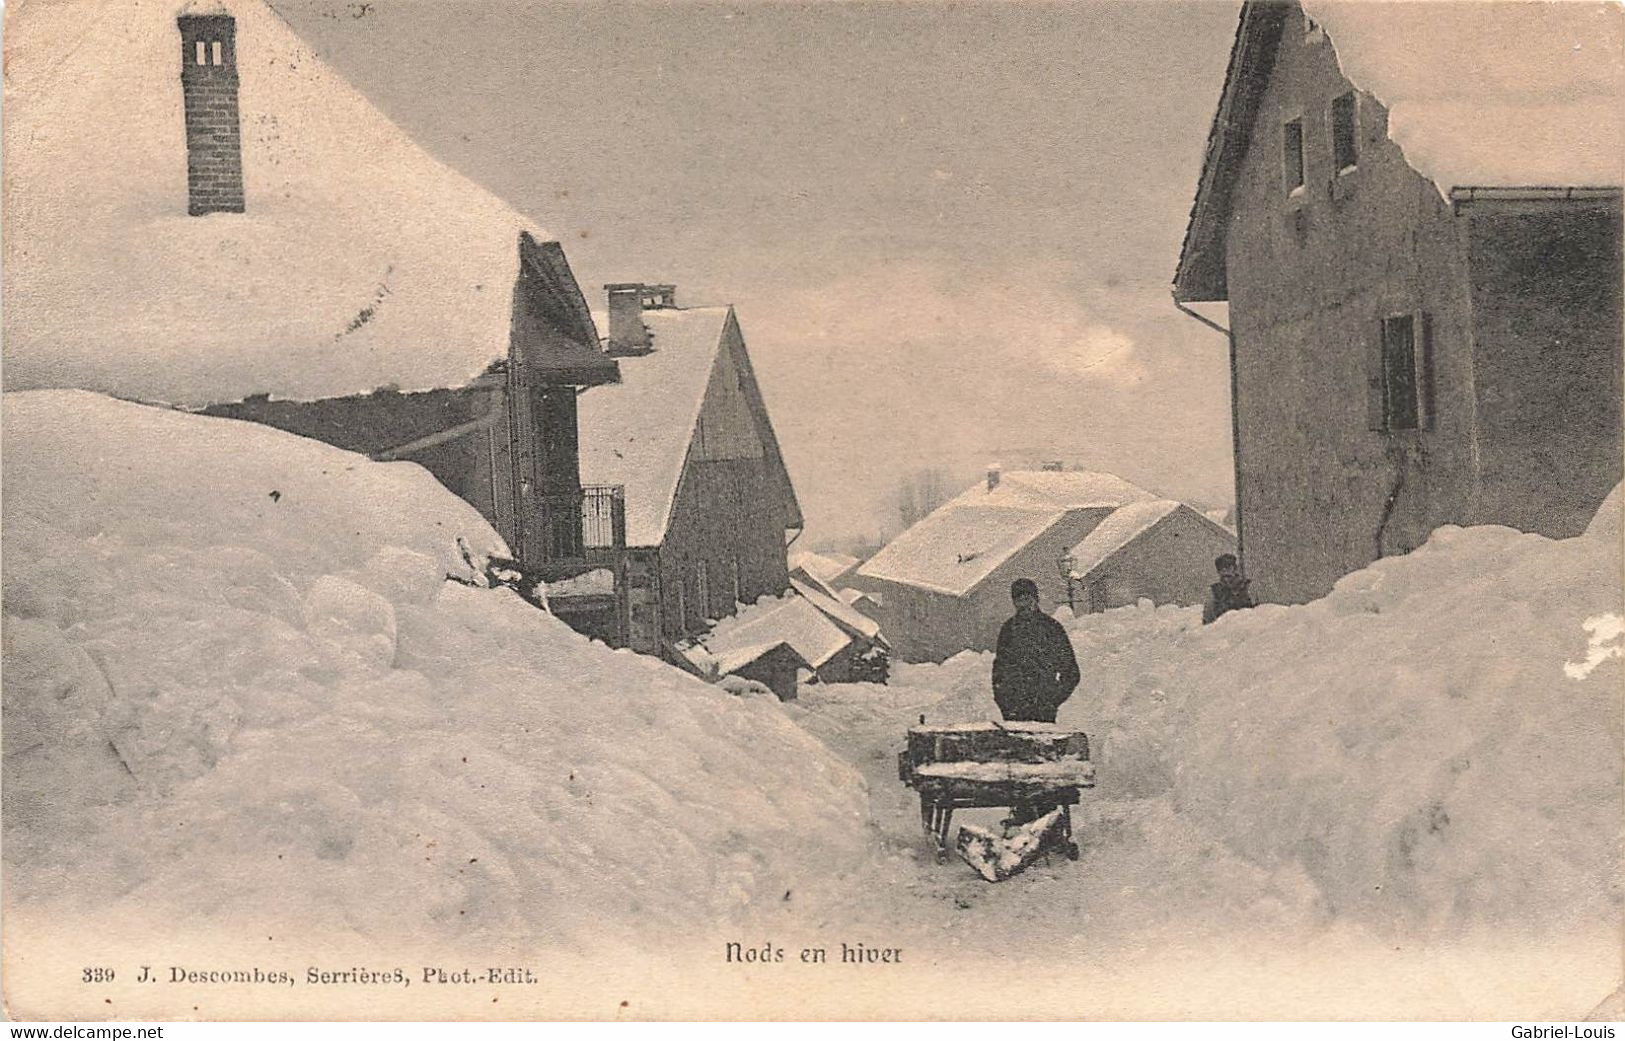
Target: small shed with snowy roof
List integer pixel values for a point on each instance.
(709, 503)
(750, 638)
(1158, 550)
(944, 584)
(1413, 213)
(199, 211)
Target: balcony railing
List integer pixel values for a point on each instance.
(586, 526)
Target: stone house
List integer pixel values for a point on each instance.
(1424, 303)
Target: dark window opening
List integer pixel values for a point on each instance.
(1292, 153)
(1344, 147)
(1400, 405)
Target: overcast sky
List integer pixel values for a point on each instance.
(948, 229)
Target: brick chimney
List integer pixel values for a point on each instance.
(214, 151)
(993, 476)
(627, 302)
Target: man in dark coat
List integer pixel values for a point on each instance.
(1034, 669)
(1230, 592)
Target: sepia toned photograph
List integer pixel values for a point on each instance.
(812, 511)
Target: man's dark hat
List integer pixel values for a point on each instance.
(1023, 587)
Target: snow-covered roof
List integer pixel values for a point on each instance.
(1479, 95)
(738, 657)
(361, 260)
(1491, 94)
(826, 568)
(841, 612)
(788, 619)
(953, 549)
(1120, 527)
(1052, 490)
(637, 432)
(964, 541)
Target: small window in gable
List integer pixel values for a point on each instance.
(202, 53)
(216, 46)
(1292, 154)
(1345, 147)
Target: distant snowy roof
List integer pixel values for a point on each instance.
(1121, 527)
(361, 260)
(773, 620)
(1491, 94)
(955, 548)
(839, 611)
(961, 543)
(637, 432)
(1052, 490)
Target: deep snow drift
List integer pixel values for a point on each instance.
(1435, 745)
(238, 682)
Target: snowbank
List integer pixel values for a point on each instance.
(1434, 746)
(236, 681)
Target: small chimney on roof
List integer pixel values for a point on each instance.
(627, 302)
(992, 476)
(214, 150)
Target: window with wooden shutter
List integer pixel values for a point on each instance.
(1399, 373)
(1376, 417)
(1424, 376)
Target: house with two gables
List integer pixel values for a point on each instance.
(943, 585)
(234, 229)
(1413, 213)
(709, 506)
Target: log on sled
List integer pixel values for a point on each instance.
(965, 765)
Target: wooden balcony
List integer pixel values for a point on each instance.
(581, 531)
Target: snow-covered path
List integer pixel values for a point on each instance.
(1161, 916)
(1136, 856)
